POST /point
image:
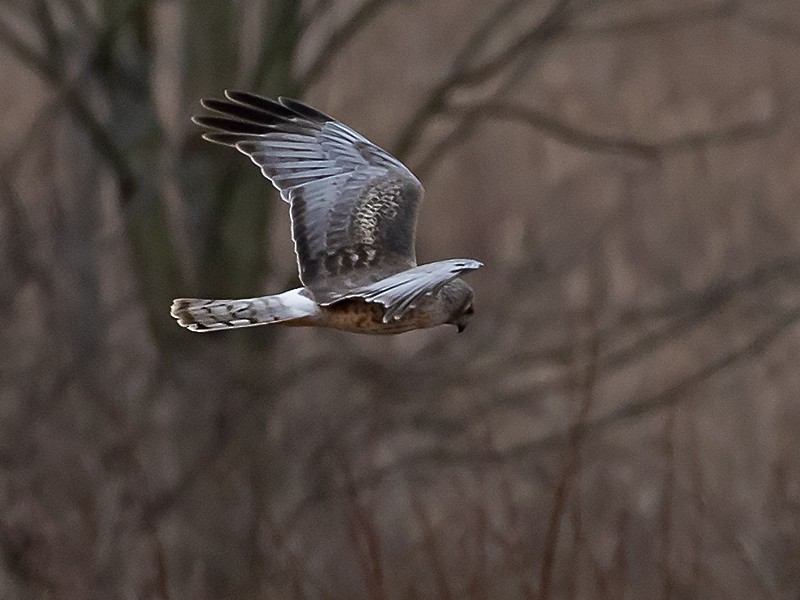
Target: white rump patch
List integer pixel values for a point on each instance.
(296, 304)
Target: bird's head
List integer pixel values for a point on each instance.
(459, 295)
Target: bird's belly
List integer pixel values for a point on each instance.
(359, 316)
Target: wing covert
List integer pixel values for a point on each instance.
(402, 291)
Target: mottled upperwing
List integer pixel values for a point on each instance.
(353, 205)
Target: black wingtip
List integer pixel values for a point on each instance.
(254, 113)
(267, 105)
(230, 125)
(304, 110)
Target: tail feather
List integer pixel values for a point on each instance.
(211, 315)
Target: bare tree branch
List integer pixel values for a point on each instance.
(360, 18)
(670, 19)
(30, 57)
(71, 93)
(674, 394)
(222, 438)
(646, 149)
(558, 22)
(466, 125)
(461, 74)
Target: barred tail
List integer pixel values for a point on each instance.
(212, 315)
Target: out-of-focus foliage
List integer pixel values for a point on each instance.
(619, 421)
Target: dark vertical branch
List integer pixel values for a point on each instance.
(210, 42)
(512, 543)
(429, 541)
(162, 577)
(282, 30)
(667, 499)
(157, 266)
(697, 498)
(364, 537)
(135, 127)
(571, 464)
(585, 381)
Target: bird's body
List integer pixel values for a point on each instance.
(353, 209)
(296, 309)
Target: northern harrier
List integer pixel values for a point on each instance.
(354, 210)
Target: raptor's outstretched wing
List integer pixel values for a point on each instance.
(353, 205)
(401, 292)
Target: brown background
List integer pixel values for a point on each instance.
(621, 418)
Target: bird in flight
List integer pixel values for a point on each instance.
(353, 208)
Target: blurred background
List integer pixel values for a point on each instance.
(621, 418)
